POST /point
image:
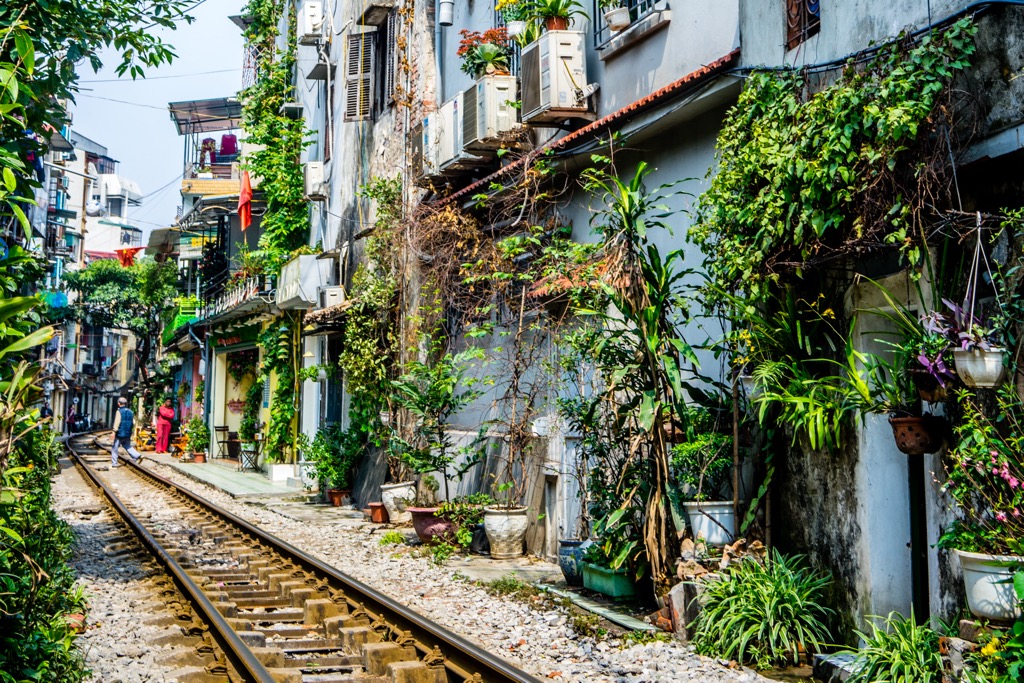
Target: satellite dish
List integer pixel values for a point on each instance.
(94, 208)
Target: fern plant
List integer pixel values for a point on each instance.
(764, 614)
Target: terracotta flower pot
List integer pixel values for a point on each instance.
(199, 457)
(556, 23)
(429, 527)
(337, 496)
(917, 435)
(378, 513)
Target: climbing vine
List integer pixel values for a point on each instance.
(279, 344)
(285, 223)
(806, 179)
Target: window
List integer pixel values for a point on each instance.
(638, 9)
(803, 20)
(359, 75)
(370, 66)
(115, 207)
(389, 54)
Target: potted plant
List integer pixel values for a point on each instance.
(603, 570)
(616, 16)
(513, 12)
(333, 453)
(197, 435)
(883, 385)
(431, 392)
(554, 15)
(484, 53)
(979, 358)
(985, 480)
(702, 466)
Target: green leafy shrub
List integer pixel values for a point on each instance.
(764, 614)
(392, 538)
(898, 651)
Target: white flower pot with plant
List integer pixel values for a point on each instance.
(702, 467)
(988, 583)
(616, 16)
(981, 368)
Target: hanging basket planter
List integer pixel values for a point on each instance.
(617, 18)
(917, 435)
(928, 386)
(980, 368)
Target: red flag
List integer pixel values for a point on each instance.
(126, 257)
(245, 201)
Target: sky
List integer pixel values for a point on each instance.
(141, 135)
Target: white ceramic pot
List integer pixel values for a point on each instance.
(708, 518)
(617, 18)
(988, 582)
(397, 497)
(506, 531)
(980, 369)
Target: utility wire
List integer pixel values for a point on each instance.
(157, 78)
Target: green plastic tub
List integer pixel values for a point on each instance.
(615, 583)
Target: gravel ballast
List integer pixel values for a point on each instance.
(538, 641)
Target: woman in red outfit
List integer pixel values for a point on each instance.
(164, 415)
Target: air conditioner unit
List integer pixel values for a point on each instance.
(451, 154)
(331, 296)
(311, 18)
(554, 77)
(488, 111)
(316, 188)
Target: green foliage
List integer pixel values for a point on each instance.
(1001, 660)
(587, 625)
(392, 538)
(639, 352)
(898, 651)
(366, 356)
(36, 582)
(539, 10)
(703, 463)
(800, 177)
(334, 452)
(279, 342)
(511, 586)
(248, 427)
(765, 614)
(132, 299)
(197, 435)
(631, 638)
(985, 477)
(432, 392)
(285, 223)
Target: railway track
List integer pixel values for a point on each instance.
(277, 614)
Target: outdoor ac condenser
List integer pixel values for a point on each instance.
(311, 17)
(316, 188)
(331, 296)
(487, 111)
(554, 77)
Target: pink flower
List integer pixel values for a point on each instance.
(1016, 512)
(1001, 516)
(1013, 482)
(995, 471)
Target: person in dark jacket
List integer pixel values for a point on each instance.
(124, 424)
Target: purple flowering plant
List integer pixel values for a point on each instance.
(985, 477)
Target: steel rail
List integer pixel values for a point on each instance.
(233, 647)
(463, 659)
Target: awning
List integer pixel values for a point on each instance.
(205, 116)
(163, 241)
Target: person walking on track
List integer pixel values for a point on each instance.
(124, 422)
(164, 415)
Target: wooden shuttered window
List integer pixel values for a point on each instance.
(390, 39)
(359, 62)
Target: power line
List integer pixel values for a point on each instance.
(157, 78)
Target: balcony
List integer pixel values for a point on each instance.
(237, 298)
(184, 313)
